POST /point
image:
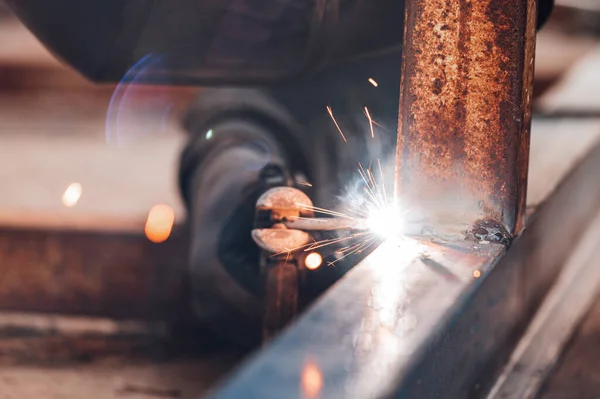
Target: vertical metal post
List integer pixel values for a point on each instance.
(465, 110)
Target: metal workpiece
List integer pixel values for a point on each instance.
(364, 334)
(427, 318)
(465, 109)
(94, 273)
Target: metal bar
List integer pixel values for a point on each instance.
(569, 300)
(281, 295)
(110, 274)
(465, 107)
(426, 319)
(320, 224)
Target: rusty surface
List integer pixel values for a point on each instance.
(120, 275)
(275, 206)
(464, 120)
(281, 290)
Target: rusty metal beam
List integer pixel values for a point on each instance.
(465, 109)
(117, 274)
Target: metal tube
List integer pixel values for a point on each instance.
(465, 109)
(321, 224)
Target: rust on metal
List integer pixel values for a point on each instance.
(281, 296)
(465, 109)
(272, 208)
(110, 274)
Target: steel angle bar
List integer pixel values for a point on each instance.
(426, 318)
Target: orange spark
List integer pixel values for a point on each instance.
(313, 261)
(311, 381)
(476, 274)
(159, 223)
(304, 183)
(373, 82)
(336, 124)
(370, 121)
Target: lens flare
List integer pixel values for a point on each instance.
(137, 111)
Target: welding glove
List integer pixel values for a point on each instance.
(222, 183)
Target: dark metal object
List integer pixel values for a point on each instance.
(281, 294)
(279, 257)
(465, 109)
(566, 304)
(114, 274)
(210, 41)
(435, 321)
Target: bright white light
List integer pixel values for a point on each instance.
(72, 194)
(209, 134)
(387, 223)
(313, 261)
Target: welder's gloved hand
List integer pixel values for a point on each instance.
(222, 190)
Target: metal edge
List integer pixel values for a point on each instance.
(556, 320)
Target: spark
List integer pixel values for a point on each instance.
(159, 223)
(476, 274)
(72, 194)
(370, 121)
(311, 380)
(336, 124)
(313, 261)
(373, 82)
(304, 183)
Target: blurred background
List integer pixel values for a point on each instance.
(89, 171)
